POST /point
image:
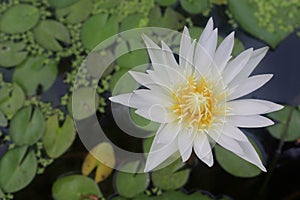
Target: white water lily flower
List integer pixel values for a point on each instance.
(195, 100)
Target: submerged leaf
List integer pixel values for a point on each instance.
(102, 158)
(27, 126)
(75, 187)
(17, 169)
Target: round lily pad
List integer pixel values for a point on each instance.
(3, 120)
(19, 18)
(61, 4)
(129, 184)
(75, 187)
(11, 54)
(12, 99)
(171, 177)
(42, 73)
(166, 2)
(98, 28)
(170, 18)
(235, 165)
(27, 126)
(83, 107)
(17, 169)
(194, 6)
(58, 139)
(130, 22)
(49, 33)
(76, 12)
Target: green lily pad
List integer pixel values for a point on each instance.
(85, 107)
(58, 139)
(75, 13)
(235, 165)
(27, 126)
(3, 120)
(98, 28)
(293, 126)
(129, 184)
(171, 177)
(49, 32)
(42, 73)
(75, 187)
(166, 2)
(19, 18)
(244, 13)
(11, 99)
(61, 4)
(194, 6)
(2, 195)
(17, 169)
(130, 22)
(142, 122)
(132, 58)
(170, 19)
(147, 144)
(11, 54)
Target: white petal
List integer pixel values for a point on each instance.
(124, 99)
(142, 78)
(203, 150)
(156, 113)
(234, 133)
(185, 44)
(251, 107)
(251, 121)
(255, 58)
(185, 142)
(168, 56)
(225, 141)
(236, 65)
(168, 133)
(249, 85)
(207, 31)
(189, 68)
(152, 97)
(223, 53)
(159, 152)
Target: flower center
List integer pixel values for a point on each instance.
(194, 103)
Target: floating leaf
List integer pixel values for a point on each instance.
(11, 54)
(2, 195)
(142, 122)
(147, 144)
(27, 126)
(85, 107)
(244, 13)
(76, 12)
(75, 187)
(130, 185)
(102, 152)
(98, 28)
(11, 99)
(235, 165)
(195, 6)
(171, 177)
(19, 18)
(292, 126)
(42, 73)
(130, 22)
(48, 34)
(17, 169)
(132, 58)
(166, 2)
(3, 120)
(170, 19)
(58, 139)
(61, 4)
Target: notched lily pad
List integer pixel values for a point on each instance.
(42, 73)
(171, 177)
(11, 54)
(27, 126)
(58, 139)
(19, 18)
(75, 13)
(129, 184)
(48, 33)
(194, 6)
(12, 99)
(170, 19)
(75, 187)
(17, 169)
(98, 28)
(235, 165)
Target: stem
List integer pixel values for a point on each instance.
(277, 152)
